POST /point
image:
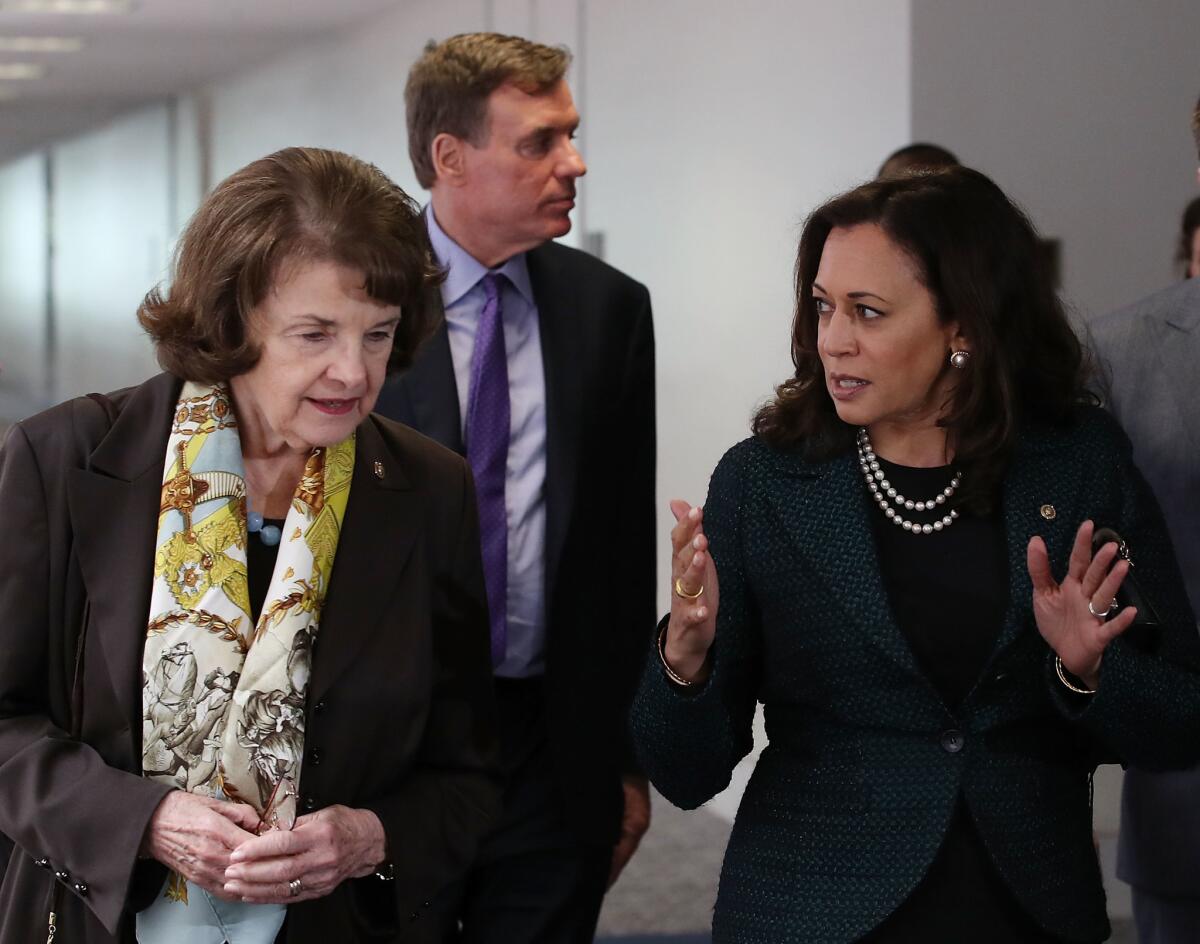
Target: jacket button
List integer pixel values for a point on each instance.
(309, 804)
(319, 708)
(953, 741)
(314, 757)
(413, 916)
(42, 863)
(81, 889)
(63, 875)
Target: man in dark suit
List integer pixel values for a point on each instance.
(1150, 351)
(543, 376)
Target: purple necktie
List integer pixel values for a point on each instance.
(487, 452)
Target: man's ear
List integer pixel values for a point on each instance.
(449, 159)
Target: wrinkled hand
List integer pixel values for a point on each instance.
(693, 623)
(323, 850)
(195, 836)
(634, 823)
(1061, 610)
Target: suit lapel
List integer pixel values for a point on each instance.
(830, 512)
(558, 310)
(1032, 492)
(378, 535)
(114, 515)
(431, 387)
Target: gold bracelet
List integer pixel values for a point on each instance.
(1062, 677)
(662, 657)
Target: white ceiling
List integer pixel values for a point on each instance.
(161, 48)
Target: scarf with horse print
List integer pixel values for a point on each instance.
(223, 695)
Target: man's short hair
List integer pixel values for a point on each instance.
(916, 158)
(1196, 127)
(448, 87)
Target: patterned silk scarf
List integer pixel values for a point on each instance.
(223, 697)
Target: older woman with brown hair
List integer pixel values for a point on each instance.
(910, 582)
(246, 689)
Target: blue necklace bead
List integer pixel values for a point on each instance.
(269, 534)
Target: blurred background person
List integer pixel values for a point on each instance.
(542, 374)
(913, 158)
(907, 582)
(245, 694)
(1150, 354)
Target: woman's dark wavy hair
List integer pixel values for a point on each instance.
(981, 260)
(298, 204)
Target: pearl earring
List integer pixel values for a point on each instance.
(960, 359)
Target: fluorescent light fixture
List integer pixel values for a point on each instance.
(38, 44)
(21, 71)
(66, 6)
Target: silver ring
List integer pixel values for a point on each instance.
(295, 887)
(1112, 607)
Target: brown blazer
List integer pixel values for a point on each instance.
(400, 711)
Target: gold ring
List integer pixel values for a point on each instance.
(683, 594)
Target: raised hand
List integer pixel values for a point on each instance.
(1076, 633)
(694, 595)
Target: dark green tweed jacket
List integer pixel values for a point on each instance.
(851, 798)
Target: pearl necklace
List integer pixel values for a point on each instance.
(885, 494)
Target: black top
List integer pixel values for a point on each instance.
(948, 592)
(260, 565)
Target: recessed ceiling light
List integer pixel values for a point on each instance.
(20, 71)
(66, 6)
(23, 44)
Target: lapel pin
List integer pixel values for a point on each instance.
(378, 469)
(1048, 512)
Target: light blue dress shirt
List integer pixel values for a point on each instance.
(525, 480)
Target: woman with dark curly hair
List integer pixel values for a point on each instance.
(909, 584)
(246, 688)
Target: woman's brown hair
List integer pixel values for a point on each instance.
(296, 204)
(981, 260)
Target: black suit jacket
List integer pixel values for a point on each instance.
(400, 706)
(598, 355)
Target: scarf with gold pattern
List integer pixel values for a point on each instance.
(223, 696)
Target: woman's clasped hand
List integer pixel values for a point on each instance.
(323, 850)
